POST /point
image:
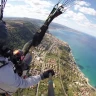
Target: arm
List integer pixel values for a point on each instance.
(39, 35)
(32, 80)
(25, 83)
(7, 76)
(36, 39)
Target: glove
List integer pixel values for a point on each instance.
(46, 74)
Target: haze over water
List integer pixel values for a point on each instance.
(84, 51)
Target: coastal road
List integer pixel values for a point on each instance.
(43, 66)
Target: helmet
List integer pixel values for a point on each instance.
(3, 33)
(26, 60)
(23, 62)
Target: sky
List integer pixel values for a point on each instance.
(81, 16)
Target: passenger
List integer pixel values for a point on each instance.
(11, 80)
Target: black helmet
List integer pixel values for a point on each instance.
(3, 33)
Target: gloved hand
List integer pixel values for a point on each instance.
(45, 74)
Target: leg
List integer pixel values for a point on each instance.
(2, 94)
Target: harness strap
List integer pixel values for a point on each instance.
(2, 6)
(2, 63)
(6, 92)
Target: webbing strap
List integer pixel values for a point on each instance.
(2, 63)
(6, 92)
(3, 3)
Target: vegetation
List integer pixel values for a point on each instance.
(19, 33)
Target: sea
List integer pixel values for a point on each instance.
(83, 49)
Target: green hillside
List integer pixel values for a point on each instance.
(20, 32)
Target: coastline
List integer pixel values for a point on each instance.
(75, 66)
(82, 74)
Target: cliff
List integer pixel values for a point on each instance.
(51, 53)
(68, 78)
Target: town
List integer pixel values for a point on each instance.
(48, 55)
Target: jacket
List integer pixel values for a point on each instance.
(10, 81)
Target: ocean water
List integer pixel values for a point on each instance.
(84, 51)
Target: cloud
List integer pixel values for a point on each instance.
(79, 18)
(82, 3)
(33, 9)
(16, 0)
(85, 8)
(89, 11)
(75, 16)
(40, 9)
(39, 3)
(80, 22)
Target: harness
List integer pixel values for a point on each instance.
(5, 54)
(6, 92)
(3, 63)
(8, 55)
(2, 6)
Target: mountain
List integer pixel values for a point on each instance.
(41, 22)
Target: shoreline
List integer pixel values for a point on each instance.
(75, 63)
(82, 74)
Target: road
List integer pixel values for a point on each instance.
(43, 66)
(61, 77)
